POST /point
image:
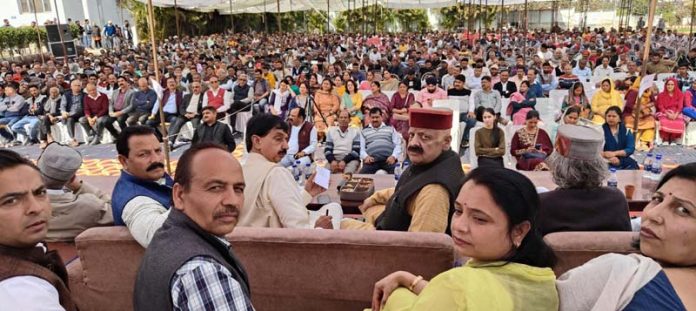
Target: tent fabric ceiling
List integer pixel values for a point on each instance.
(259, 6)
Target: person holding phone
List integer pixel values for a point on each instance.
(531, 145)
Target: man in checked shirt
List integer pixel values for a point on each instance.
(188, 264)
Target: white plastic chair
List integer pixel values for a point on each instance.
(59, 132)
(690, 134)
(473, 158)
(618, 76)
(664, 76)
(454, 106)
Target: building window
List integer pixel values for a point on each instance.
(28, 6)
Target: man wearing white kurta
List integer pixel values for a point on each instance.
(272, 198)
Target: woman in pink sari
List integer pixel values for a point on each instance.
(669, 112)
(379, 100)
(401, 102)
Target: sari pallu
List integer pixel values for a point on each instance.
(350, 102)
(626, 142)
(398, 122)
(326, 105)
(601, 101)
(646, 118)
(673, 103)
(380, 101)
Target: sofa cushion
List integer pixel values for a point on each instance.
(573, 249)
(296, 269)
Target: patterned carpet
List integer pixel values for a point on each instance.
(102, 160)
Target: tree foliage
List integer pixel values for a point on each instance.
(380, 19)
(465, 16)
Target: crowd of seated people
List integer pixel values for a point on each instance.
(372, 106)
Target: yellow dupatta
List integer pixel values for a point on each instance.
(483, 286)
(601, 101)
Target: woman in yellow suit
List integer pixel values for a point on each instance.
(509, 265)
(604, 98)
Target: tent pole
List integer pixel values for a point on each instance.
(480, 10)
(163, 128)
(278, 12)
(38, 32)
(60, 33)
(526, 29)
(176, 17)
(328, 17)
(691, 26)
(500, 23)
(231, 17)
(646, 54)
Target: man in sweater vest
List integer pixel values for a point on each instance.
(380, 145)
(302, 141)
(30, 277)
(423, 199)
(143, 194)
(343, 145)
(203, 273)
(216, 96)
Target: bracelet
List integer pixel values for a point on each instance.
(415, 282)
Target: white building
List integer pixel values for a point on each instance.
(21, 12)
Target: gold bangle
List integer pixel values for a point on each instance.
(415, 282)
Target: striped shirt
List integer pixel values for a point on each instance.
(204, 284)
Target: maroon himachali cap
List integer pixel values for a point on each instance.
(430, 118)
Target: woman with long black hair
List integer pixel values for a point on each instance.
(489, 141)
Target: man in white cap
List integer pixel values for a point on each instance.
(581, 203)
(77, 205)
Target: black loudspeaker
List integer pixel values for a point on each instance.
(53, 36)
(57, 49)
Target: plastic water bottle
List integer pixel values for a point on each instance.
(647, 166)
(308, 171)
(613, 182)
(398, 170)
(295, 173)
(657, 168)
(646, 180)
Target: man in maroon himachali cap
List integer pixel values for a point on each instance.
(423, 200)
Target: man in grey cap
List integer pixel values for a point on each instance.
(77, 205)
(581, 203)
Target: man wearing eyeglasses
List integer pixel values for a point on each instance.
(216, 96)
(242, 96)
(190, 110)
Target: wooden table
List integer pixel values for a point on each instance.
(350, 207)
(641, 196)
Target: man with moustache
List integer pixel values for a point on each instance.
(272, 197)
(203, 273)
(423, 200)
(143, 194)
(212, 131)
(31, 278)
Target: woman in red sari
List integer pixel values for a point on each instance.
(669, 112)
(531, 145)
(401, 102)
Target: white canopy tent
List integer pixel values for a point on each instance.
(273, 6)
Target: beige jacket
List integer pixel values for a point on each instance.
(74, 212)
(272, 198)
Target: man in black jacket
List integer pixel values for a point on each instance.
(189, 110)
(213, 131)
(203, 273)
(505, 87)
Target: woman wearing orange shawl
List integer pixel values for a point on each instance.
(604, 98)
(669, 112)
(646, 118)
